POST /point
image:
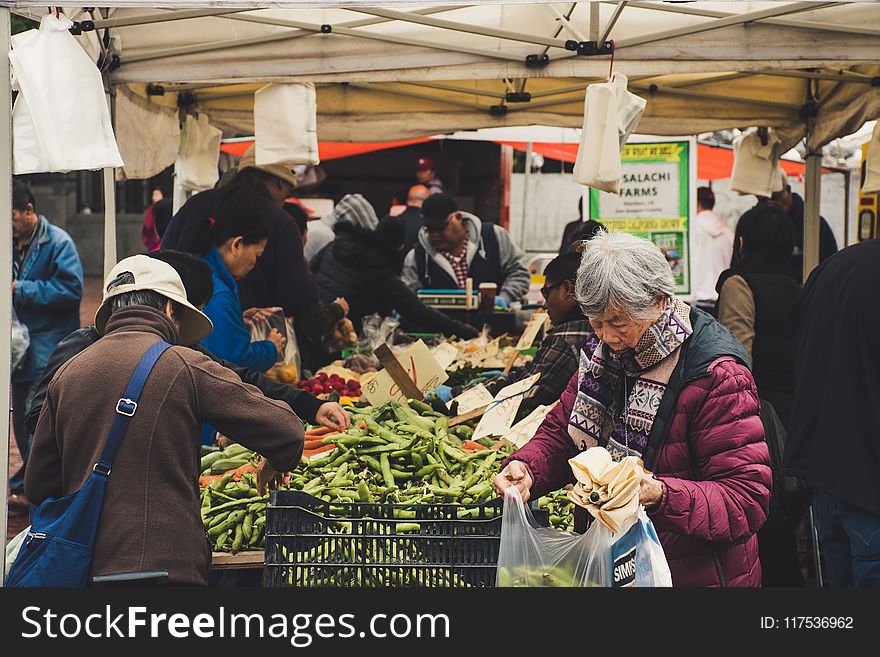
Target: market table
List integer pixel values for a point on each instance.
(242, 560)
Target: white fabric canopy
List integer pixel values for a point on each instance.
(404, 69)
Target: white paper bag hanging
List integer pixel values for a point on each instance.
(872, 164)
(286, 125)
(60, 121)
(755, 164)
(611, 114)
(199, 154)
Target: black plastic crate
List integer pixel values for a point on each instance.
(360, 545)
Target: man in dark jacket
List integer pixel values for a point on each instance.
(412, 216)
(281, 276)
(454, 246)
(46, 291)
(793, 206)
(150, 517)
(834, 437)
(196, 277)
(364, 266)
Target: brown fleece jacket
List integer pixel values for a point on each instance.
(150, 520)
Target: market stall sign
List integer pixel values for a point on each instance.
(499, 417)
(655, 201)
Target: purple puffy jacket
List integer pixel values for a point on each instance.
(714, 463)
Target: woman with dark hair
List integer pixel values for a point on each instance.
(230, 241)
(756, 302)
(364, 266)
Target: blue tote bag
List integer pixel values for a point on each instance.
(58, 548)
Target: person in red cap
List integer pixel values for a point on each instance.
(427, 175)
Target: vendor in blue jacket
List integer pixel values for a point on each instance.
(230, 240)
(46, 290)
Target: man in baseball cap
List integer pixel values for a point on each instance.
(151, 499)
(454, 245)
(143, 278)
(426, 172)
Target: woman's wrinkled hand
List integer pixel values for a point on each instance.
(650, 491)
(514, 474)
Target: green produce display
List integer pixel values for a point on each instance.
(394, 453)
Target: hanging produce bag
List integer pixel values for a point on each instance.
(60, 121)
(199, 154)
(756, 163)
(611, 113)
(286, 124)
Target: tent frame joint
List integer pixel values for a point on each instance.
(537, 61)
(809, 110)
(498, 110)
(518, 97)
(590, 48)
(875, 82)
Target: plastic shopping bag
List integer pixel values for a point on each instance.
(61, 120)
(531, 555)
(285, 124)
(288, 366)
(611, 113)
(21, 340)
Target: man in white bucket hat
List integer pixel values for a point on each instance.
(152, 498)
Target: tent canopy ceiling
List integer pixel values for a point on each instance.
(406, 70)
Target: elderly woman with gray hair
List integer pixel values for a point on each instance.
(669, 384)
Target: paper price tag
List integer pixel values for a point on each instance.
(499, 416)
(421, 367)
(471, 399)
(524, 430)
(445, 354)
(533, 327)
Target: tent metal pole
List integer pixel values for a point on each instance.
(779, 22)
(791, 8)
(525, 200)
(457, 26)
(566, 16)
(414, 94)
(109, 197)
(812, 198)
(727, 99)
(314, 28)
(843, 77)
(720, 78)
(594, 20)
(520, 107)
(5, 266)
(364, 22)
(612, 21)
(565, 23)
(847, 188)
(462, 90)
(177, 15)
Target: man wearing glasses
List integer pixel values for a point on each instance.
(557, 358)
(453, 246)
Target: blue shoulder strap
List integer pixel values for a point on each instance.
(126, 407)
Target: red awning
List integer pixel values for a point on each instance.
(713, 162)
(331, 150)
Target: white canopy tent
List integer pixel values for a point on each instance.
(402, 69)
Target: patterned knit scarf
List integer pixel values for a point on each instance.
(599, 416)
